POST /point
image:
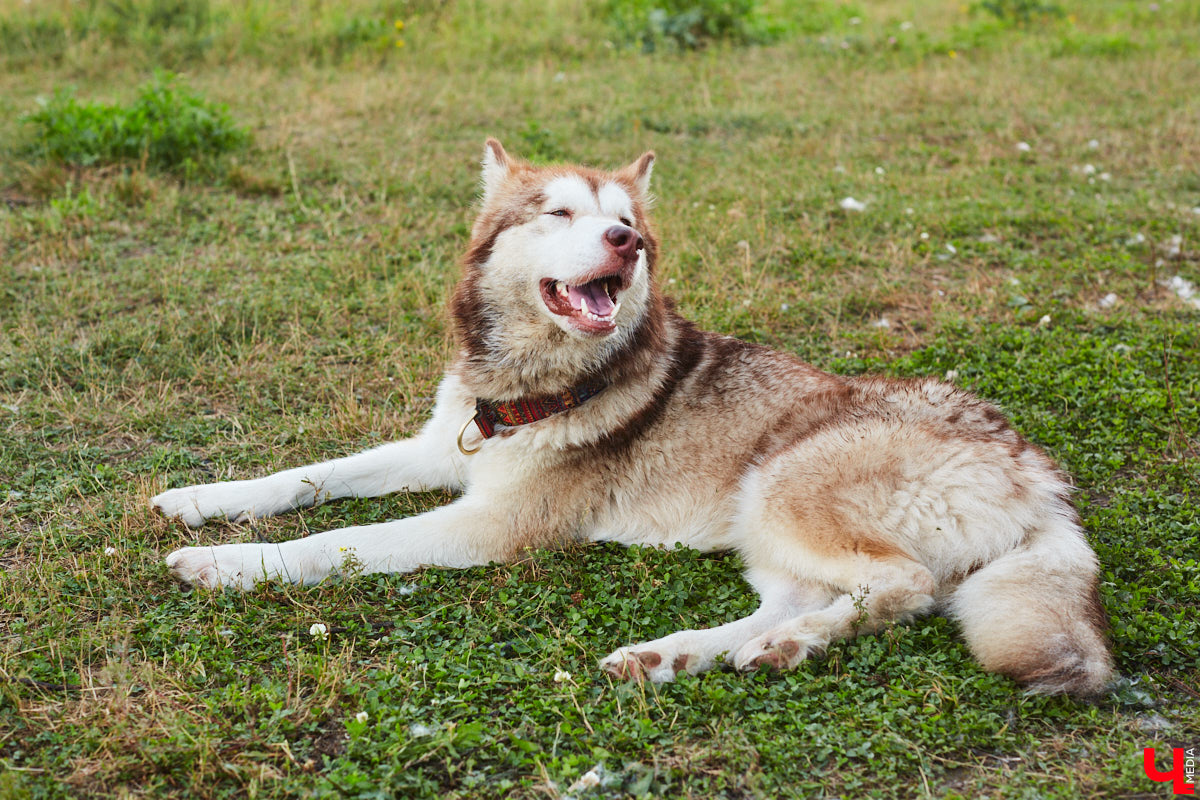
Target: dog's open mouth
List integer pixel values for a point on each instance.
(589, 307)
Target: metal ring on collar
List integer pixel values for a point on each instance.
(462, 431)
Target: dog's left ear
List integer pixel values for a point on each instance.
(639, 172)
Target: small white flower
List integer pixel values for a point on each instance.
(745, 304)
(417, 729)
(951, 248)
(951, 375)
(559, 77)
(924, 235)
(318, 630)
(882, 322)
(879, 170)
(1093, 144)
(1109, 300)
(670, 280)
(909, 211)
(850, 204)
(1088, 169)
(1174, 246)
(1196, 210)
(1044, 321)
(906, 26)
(1137, 238)
(561, 676)
(110, 551)
(1023, 147)
(989, 238)
(784, 306)
(362, 717)
(1104, 176)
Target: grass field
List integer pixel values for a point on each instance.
(1032, 220)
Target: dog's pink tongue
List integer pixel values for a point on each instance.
(593, 296)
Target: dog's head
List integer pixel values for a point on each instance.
(559, 262)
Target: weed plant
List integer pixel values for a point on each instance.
(166, 127)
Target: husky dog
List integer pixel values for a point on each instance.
(581, 407)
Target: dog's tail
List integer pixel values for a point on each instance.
(1034, 614)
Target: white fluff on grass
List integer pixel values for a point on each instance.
(1109, 300)
(1185, 289)
(592, 778)
(850, 204)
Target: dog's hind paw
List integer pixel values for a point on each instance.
(628, 664)
(776, 652)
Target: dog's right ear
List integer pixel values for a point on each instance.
(496, 166)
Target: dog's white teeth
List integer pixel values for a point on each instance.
(561, 289)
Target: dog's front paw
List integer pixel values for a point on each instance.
(633, 664)
(196, 504)
(179, 503)
(238, 566)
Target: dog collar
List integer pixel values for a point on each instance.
(491, 414)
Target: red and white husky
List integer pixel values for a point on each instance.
(581, 407)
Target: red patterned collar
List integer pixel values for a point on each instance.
(490, 414)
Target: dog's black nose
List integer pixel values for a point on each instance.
(624, 240)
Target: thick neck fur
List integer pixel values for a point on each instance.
(506, 355)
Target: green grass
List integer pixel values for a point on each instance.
(289, 307)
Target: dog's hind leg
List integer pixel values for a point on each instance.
(890, 591)
(694, 651)
(430, 460)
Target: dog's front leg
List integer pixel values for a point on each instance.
(431, 460)
(463, 534)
